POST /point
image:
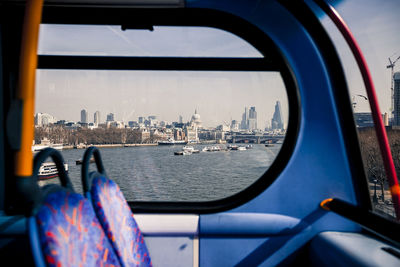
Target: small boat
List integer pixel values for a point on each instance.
(48, 170)
(45, 143)
(171, 142)
(249, 146)
(232, 147)
(211, 149)
(182, 153)
(190, 149)
(241, 148)
(79, 161)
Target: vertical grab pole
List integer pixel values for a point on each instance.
(373, 101)
(26, 85)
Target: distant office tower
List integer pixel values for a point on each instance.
(249, 119)
(180, 119)
(110, 117)
(141, 119)
(84, 116)
(396, 111)
(252, 120)
(235, 125)
(153, 121)
(245, 120)
(96, 118)
(276, 122)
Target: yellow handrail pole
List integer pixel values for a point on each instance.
(26, 85)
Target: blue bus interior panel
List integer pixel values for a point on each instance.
(318, 168)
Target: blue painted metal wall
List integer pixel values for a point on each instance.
(318, 168)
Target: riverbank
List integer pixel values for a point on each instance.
(65, 147)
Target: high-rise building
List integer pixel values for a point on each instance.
(141, 119)
(276, 122)
(249, 119)
(180, 119)
(252, 120)
(396, 88)
(110, 117)
(84, 116)
(235, 125)
(96, 118)
(245, 119)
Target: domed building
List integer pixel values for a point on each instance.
(191, 130)
(195, 121)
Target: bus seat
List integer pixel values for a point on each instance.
(114, 213)
(63, 228)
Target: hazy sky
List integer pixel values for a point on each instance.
(218, 96)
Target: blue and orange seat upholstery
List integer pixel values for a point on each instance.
(114, 213)
(64, 230)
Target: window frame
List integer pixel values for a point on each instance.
(186, 17)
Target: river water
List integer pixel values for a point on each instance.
(154, 173)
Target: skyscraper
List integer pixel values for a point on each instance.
(252, 120)
(245, 119)
(110, 117)
(276, 122)
(249, 119)
(84, 116)
(396, 88)
(96, 118)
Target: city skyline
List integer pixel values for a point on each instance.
(218, 96)
(250, 122)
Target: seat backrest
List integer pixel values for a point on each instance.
(70, 234)
(63, 228)
(115, 214)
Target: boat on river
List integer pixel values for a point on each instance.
(45, 143)
(190, 149)
(171, 142)
(48, 170)
(182, 153)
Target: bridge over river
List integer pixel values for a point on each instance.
(254, 138)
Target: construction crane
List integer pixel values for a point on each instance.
(391, 66)
(353, 100)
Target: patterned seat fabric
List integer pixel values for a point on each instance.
(117, 219)
(70, 233)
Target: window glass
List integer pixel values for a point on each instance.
(99, 40)
(375, 25)
(163, 135)
(224, 121)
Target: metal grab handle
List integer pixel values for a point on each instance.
(58, 160)
(86, 180)
(26, 86)
(387, 229)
